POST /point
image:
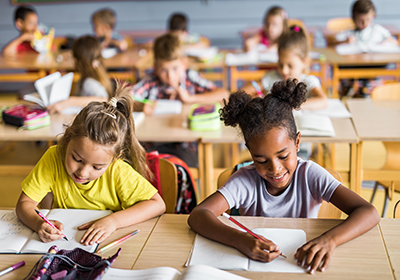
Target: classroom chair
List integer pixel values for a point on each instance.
(326, 211)
(168, 183)
(389, 174)
(396, 211)
(339, 24)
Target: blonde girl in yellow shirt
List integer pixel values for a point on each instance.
(98, 164)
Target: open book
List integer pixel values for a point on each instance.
(314, 125)
(15, 237)
(209, 252)
(357, 48)
(194, 272)
(51, 89)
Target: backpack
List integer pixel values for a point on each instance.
(186, 188)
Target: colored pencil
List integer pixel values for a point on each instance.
(118, 241)
(11, 268)
(49, 223)
(226, 215)
(257, 88)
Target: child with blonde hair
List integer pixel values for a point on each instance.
(94, 84)
(278, 183)
(275, 24)
(104, 22)
(293, 62)
(98, 164)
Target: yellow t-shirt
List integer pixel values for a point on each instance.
(118, 188)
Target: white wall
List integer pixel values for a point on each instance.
(220, 20)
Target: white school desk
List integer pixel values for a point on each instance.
(362, 258)
(344, 134)
(390, 229)
(131, 249)
(375, 121)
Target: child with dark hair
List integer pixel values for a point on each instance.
(178, 25)
(26, 21)
(278, 183)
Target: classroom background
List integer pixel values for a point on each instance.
(219, 20)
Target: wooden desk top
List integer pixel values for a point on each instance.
(172, 239)
(131, 249)
(375, 120)
(64, 60)
(344, 130)
(390, 229)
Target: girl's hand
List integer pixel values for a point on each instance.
(97, 231)
(148, 109)
(49, 234)
(256, 249)
(57, 107)
(315, 254)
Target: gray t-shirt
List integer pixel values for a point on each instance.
(246, 190)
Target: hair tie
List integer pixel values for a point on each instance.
(296, 28)
(112, 115)
(113, 102)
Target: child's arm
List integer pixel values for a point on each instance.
(99, 230)
(73, 101)
(252, 42)
(362, 217)
(122, 44)
(26, 213)
(11, 48)
(204, 221)
(318, 100)
(390, 40)
(249, 89)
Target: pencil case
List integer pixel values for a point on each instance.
(204, 117)
(26, 116)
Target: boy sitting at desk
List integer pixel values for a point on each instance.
(26, 21)
(172, 80)
(177, 25)
(103, 22)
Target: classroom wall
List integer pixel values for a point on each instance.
(220, 20)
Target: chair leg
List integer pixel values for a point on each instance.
(385, 203)
(374, 192)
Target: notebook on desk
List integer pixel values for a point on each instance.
(314, 125)
(17, 238)
(51, 89)
(358, 48)
(211, 253)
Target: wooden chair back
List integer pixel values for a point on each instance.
(168, 183)
(340, 24)
(326, 211)
(386, 92)
(396, 212)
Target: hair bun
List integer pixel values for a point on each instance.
(290, 91)
(231, 111)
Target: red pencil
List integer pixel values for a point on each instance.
(245, 228)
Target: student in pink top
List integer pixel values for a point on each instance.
(275, 24)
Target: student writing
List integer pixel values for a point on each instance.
(94, 84)
(293, 62)
(278, 183)
(26, 21)
(98, 164)
(103, 22)
(275, 24)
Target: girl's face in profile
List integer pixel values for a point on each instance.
(273, 27)
(275, 158)
(85, 160)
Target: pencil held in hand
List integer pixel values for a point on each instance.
(245, 228)
(49, 223)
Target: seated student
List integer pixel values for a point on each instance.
(278, 183)
(366, 31)
(103, 22)
(94, 85)
(172, 80)
(98, 153)
(275, 24)
(293, 62)
(177, 25)
(26, 21)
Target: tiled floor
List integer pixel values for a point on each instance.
(30, 153)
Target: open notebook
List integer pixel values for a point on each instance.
(314, 125)
(15, 237)
(357, 48)
(209, 252)
(51, 89)
(195, 272)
